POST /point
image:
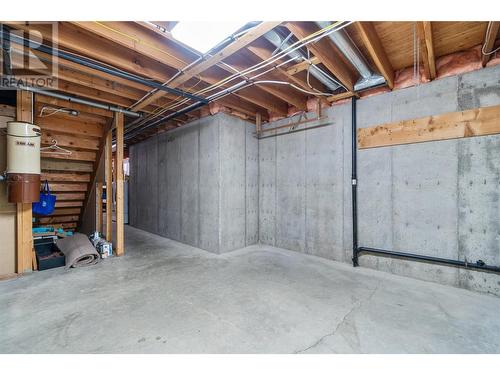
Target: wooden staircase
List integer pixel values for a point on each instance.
(69, 175)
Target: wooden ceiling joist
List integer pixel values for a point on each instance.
(374, 46)
(427, 48)
(263, 51)
(145, 50)
(326, 52)
(203, 66)
(228, 51)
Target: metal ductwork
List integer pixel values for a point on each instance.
(280, 43)
(342, 41)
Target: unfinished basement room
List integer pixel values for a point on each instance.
(227, 187)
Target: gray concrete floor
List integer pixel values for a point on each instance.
(166, 297)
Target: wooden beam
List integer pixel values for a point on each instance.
(24, 236)
(72, 37)
(283, 92)
(108, 166)
(229, 50)
(489, 40)
(201, 67)
(424, 30)
(376, 50)
(259, 49)
(294, 69)
(98, 207)
(344, 95)
(471, 123)
(128, 36)
(120, 241)
(325, 51)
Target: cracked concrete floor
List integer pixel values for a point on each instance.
(166, 297)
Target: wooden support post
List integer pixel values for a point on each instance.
(120, 245)
(108, 162)
(24, 220)
(258, 123)
(98, 207)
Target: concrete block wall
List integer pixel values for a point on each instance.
(437, 198)
(198, 184)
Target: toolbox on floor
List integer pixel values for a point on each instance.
(48, 254)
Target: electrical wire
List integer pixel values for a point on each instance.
(54, 111)
(299, 44)
(488, 32)
(251, 69)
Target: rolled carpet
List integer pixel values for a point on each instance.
(78, 250)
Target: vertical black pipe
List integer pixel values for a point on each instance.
(354, 184)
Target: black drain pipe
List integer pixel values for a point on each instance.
(477, 266)
(354, 183)
(357, 250)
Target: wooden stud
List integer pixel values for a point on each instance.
(98, 207)
(24, 234)
(372, 42)
(489, 40)
(471, 123)
(108, 156)
(120, 241)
